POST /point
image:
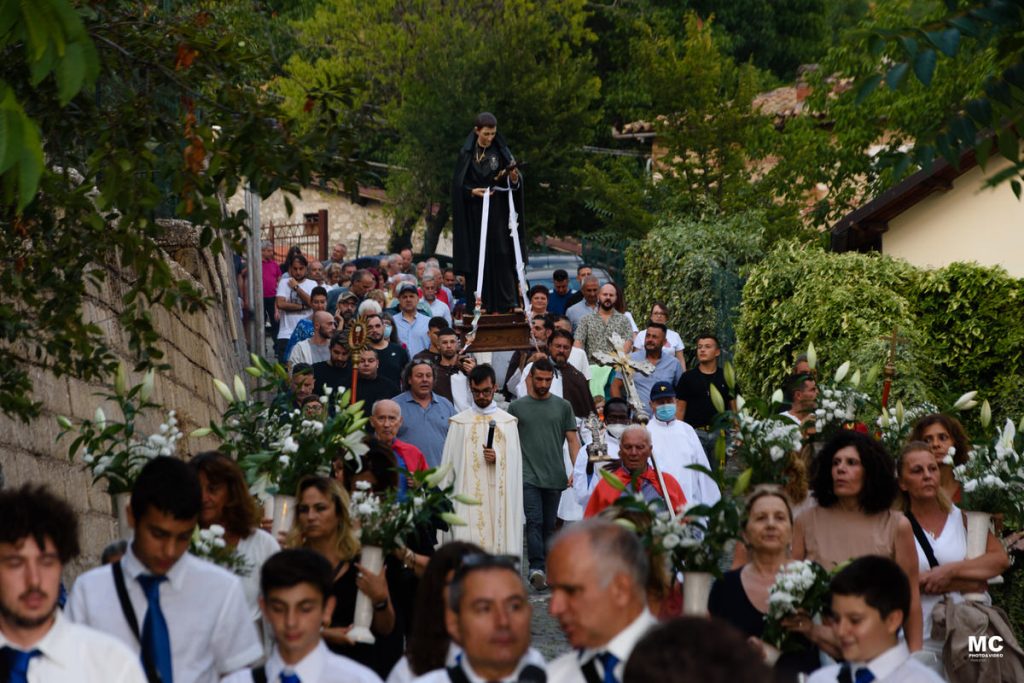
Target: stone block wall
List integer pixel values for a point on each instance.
(198, 347)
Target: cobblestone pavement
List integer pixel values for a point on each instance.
(547, 636)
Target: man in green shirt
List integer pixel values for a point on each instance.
(546, 422)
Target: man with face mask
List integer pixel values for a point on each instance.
(676, 447)
(492, 474)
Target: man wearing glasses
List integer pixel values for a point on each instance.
(489, 616)
(482, 449)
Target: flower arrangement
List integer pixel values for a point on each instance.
(894, 424)
(209, 544)
(991, 480)
(801, 585)
(277, 446)
(115, 450)
(764, 444)
(384, 520)
(838, 406)
(694, 541)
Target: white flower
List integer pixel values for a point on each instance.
(219, 542)
(363, 485)
(948, 459)
(217, 529)
(284, 460)
(670, 541)
(776, 453)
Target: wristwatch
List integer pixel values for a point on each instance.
(380, 606)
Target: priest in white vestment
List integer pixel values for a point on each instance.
(494, 477)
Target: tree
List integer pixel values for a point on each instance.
(711, 143)
(118, 114)
(986, 121)
(852, 145)
(428, 68)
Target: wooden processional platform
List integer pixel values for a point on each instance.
(497, 332)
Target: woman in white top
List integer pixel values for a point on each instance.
(944, 528)
(227, 502)
(673, 342)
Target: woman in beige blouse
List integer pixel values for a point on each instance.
(854, 484)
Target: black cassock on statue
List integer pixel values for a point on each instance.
(499, 292)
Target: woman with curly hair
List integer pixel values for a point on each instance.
(948, 442)
(854, 484)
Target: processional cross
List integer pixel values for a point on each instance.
(890, 364)
(627, 367)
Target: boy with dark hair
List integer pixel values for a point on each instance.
(296, 599)
(559, 295)
(38, 536)
(870, 602)
(187, 618)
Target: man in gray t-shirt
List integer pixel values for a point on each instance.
(316, 349)
(546, 422)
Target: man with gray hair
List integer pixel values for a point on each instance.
(635, 471)
(597, 571)
(429, 285)
(589, 289)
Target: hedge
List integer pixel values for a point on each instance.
(694, 266)
(961, 326)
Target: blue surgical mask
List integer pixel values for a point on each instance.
(665, 412)
(387, 331)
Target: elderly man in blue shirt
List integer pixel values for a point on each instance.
(666, 366)
(412, 325)
(425, 414)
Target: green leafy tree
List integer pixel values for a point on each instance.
(429, 67)
(118, 114)
(711, 143)
(985, 121)
(855, 147)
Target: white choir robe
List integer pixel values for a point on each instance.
(496, 525)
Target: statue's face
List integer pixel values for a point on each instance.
(485, 136)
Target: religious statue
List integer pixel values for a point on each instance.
(487, 199)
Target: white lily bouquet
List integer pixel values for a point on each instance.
(385, 519)
(764, 445)
(801, 585)
(115, 450)
(991, 480)
(839, 403)
(895, 424)
(277, 445)
(209, 544)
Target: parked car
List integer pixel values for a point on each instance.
(545, 276)
(554, 260)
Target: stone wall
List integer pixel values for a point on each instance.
(368, 225)
(198, 348)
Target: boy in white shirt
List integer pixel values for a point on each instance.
(296, 600)
(870, 602)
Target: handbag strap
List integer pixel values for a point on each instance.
(152, 675)
(457, 675)
(922, 540)
(259, 674)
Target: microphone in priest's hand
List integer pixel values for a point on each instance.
(532, 674)
(490, 434)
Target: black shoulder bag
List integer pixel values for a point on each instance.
(922, 539)
(152, 675)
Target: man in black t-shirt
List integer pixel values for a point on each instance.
(693, 393)
(393, 357)
(336, 372)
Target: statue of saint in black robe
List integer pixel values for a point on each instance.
(479, 167)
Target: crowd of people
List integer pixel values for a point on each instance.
(525, 435)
